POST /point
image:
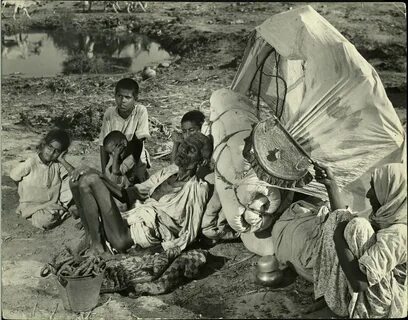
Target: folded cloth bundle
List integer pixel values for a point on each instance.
(154, 274)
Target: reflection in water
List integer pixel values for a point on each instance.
(78, 52)
(19, 47)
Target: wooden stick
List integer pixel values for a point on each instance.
(399, 9)
(55, 311)
(293, 140)
(35, 307)
(161, 155)
(242, 260)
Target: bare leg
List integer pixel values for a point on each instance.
(26, 12)
(97, 202)
(76, 194)
(90, 212)
(116, 5)
(141, 6)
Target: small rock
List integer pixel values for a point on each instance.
(164, 65)
(120, 28)
(230, 64)
(148, 73)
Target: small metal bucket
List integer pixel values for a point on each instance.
(80, 293)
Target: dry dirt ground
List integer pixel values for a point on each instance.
(207, 41)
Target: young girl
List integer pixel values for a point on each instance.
(44, 194)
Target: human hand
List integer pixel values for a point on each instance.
(173, 252)
(143, 192)
(117, 151)
(61, 157)
(323, 174)
(78, 172)
(177, 137)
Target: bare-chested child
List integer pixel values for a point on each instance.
(121, 168)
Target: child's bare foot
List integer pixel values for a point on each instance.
(101, 254)
(74, 211)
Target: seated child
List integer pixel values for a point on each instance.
(214, 224)
(131, 119)
(191, 122)
(121, 168)
(44, 193)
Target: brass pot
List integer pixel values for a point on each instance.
(269, 279)
(267, 264)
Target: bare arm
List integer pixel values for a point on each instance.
(348, 262)
(104, 158)
(65, 163)
(177, 137)
(116, 191)
(325, 176)
(76, 173)
(136, 146)
(116, 160)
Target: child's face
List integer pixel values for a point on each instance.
(120, 146)
(51, 151)
(188, 128)
(125, 102)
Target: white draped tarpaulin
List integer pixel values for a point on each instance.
(335, 107)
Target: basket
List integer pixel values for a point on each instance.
(275, 156)
(80, 294)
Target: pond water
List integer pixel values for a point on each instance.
(67, 52)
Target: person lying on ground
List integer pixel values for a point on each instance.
(130, 118)
(121, 168)
(214, 224)
(174, 201)
(357, 265)
(42, 182)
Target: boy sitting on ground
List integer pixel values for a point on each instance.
(131, 119)
(191, 122)
(121, 167)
